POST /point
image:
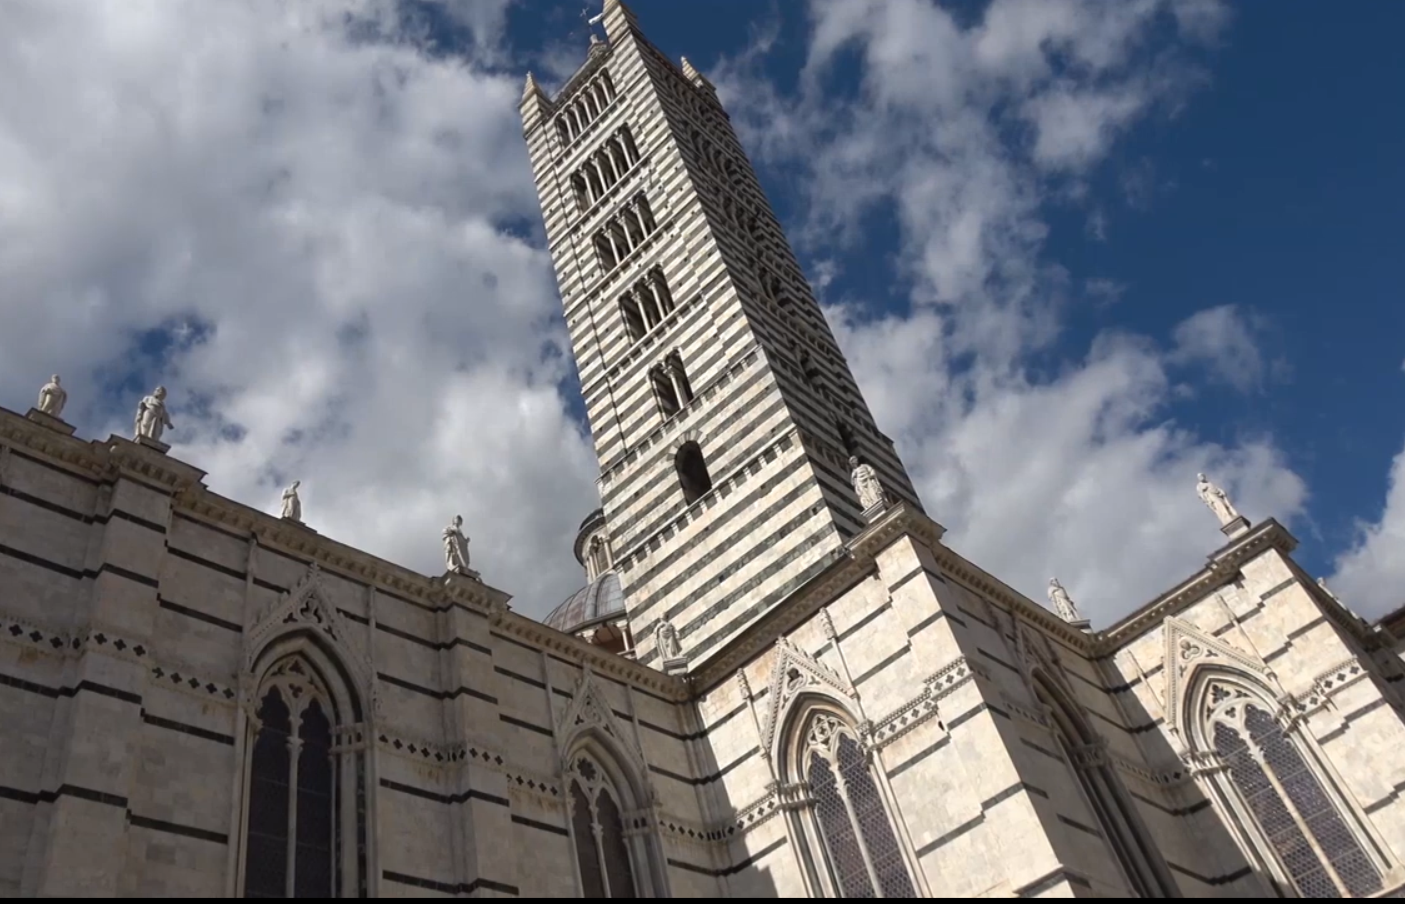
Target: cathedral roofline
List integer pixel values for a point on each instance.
(1224, 564)
(106, 461)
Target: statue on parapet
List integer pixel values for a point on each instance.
(1217, 500)
(292, 505)
(52, 398)
(456, 548)
(152, 417)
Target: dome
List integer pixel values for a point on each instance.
(601, 599)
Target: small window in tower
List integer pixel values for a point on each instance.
(692, 473)
(665, 392)
(633, 320)
(605, 250)
(680, 378)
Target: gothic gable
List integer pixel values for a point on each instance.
(1187, 648)
(795, 672)
(305, 608)
(589, 712)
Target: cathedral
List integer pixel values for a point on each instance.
(778, 680)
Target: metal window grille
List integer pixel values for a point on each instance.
(874, 825)
(1306, 829)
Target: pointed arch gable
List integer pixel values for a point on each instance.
(1188, 650)
(304, 612)
(796, 675)
(589, 722)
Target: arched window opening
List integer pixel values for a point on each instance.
(605, 250)
(680, 378)
(692, 472)
(659, 285)
(665, 391)
(303, 826)
(1122, 829)
(630, 146)
(609, 85)
(608, 172)
(603, 853)
(646, 214)
(597, 185)
(578, 187)
(648, 304)
(633, 318)
(847, 814)
(1303, 822)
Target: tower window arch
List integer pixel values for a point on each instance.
(692, 472)
(844, 818)
(1126, 836)
(1293, 815)
(304, 824)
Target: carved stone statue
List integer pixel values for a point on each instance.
(1217, 500)
(1063, 604)
(292, 505)
(866, 484)
(52, 398)
(152, 417)
(666, 639)
(456, 547)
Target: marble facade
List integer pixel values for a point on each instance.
(849, 705)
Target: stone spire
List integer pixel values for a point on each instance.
(535, 105)
(693, 75)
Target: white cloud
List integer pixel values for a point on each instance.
(311, 216)
(1370, 576)
(1224, 341)
(1038, 469)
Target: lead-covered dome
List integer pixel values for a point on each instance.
(600, 600)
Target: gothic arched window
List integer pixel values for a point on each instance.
(1291, 810)
(692, 472)
(1126, 837)
(605, 851)
(852, 834)
(304, 831)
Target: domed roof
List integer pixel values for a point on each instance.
(598, 600)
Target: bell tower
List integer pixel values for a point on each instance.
(723, 413)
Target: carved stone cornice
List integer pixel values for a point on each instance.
(135, 461)
(583, 653)
(84, 457)
(1224, 564)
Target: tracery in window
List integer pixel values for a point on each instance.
(850, 820)
(1305, 824)
(305, 788)
(602, 849)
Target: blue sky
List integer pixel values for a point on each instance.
(1277, 186)
(1075, 251)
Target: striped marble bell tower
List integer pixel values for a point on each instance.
(723, 412)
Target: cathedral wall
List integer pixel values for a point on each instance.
(1268, 623)
(127, 613)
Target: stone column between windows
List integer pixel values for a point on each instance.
(672, 369)
(78, 844)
